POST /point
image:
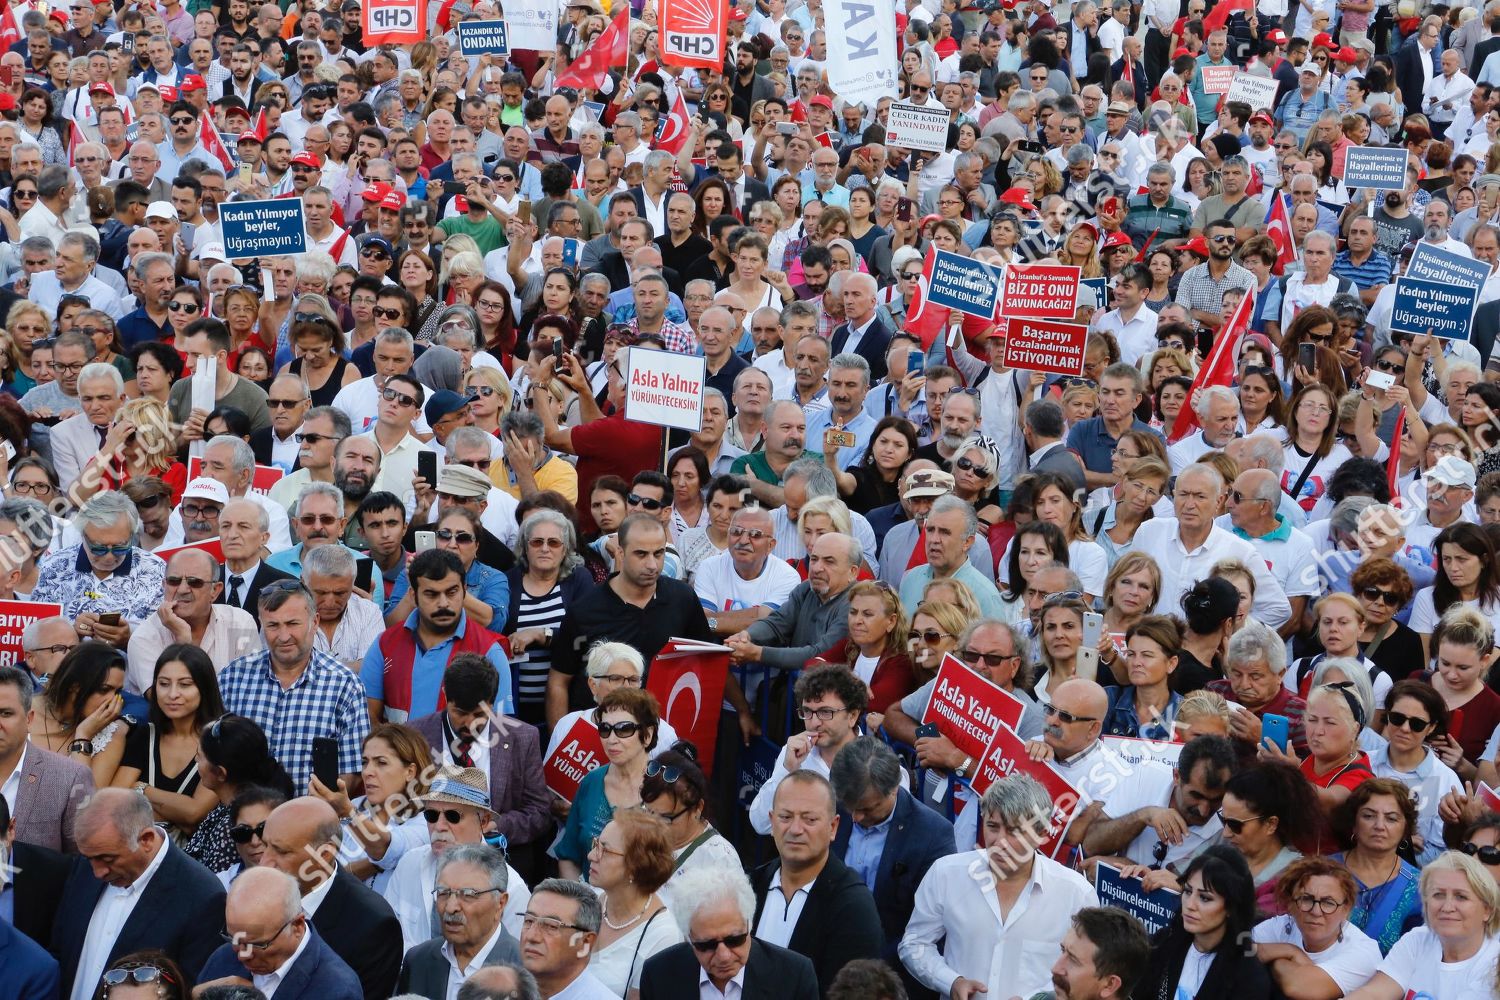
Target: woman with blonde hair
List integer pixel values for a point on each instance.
(1201, 713)
(463, 274)
(1130, 592)
(1080, 248)
(140, 442)
(492, 397)
(935, 628)
(875, 648)
(821, 516)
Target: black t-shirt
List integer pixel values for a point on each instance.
(600, 615)
(1392, 234)
(143, 750)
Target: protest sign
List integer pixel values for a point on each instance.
(14, 617)
(757, 761)
(968, 708)
(1375, 168)
(393, 22)
(578, 752)
(1433, 263)
(692, 32)
(477, 38)
(1257, 91)
(665, 389)
(1098, 288)
(1006, 755)
(688, 679)
(912, 126)
(962, 283)
(1133, 751)
(274, 227)
(261, 482)
(1218, 79)
(1430, 307)
(1154, 910)
(1041, 345)
(1039, 291)
(862, 58)
(532, 26)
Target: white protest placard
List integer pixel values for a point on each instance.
(862, 55)
(912, 126)
(1257, 91)
(665, 389)
(532, 25)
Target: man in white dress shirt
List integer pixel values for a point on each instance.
(558, 931)
(1218, 410)
(1002, 909)
(830, 702)
(1133, 325)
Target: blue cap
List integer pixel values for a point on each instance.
(444, 402)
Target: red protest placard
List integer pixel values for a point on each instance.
(968, 709)
(1039, 291)
(14, 617)
(393, 22)
(1046, 346)
(265, 476)
(688, 680)
(1006, 755)
(1217, 79)
(212, 546)
(578, 752)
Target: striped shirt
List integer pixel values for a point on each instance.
(532, 667)
(1376, 270)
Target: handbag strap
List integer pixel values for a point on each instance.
(1306, 472)
(697, 842)
(638, 942)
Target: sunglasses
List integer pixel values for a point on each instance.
(974, 656)
(668, 773)
(932, 637)
(385, 313)
(284, 404)
(143, 974)
(374, 253)
(240, 833)
(188, 307)
(1411, 722)
(1235, 826)
(1486, 855)
(1385, 597)
(392, 396)
(449, 535)
(733, 941)
(968, 465)
(1391, 366)
(193, 582)
(309, 520)
(312, 438)
(453, 816)
(636, 500)
(544, 543)
(184, 121)
(624, 730)
(108, 550)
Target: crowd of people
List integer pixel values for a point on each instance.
(344, 549)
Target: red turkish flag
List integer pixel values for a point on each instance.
(688, 679)
(592, 67)
(10, 31)
(674, 127)
(1219, 368)
(1219, 16)
(1279, 229)
(209, 136)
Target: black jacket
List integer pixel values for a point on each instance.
(39, 875)
(772, 973)
(873, 346)
(839, 921)
(264, 576)
(361, 928)
(1234, 975)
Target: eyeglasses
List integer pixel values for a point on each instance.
(453, 816)
(1386, 597)
(1066, 718)
(193, 582)
(636, 500)
(933, 636)
(108, 550)
(392, 396)
(56, 649)
(821, 714)
(968, 465)
(58, 366)
(241, 833)
(598, 845)
(547, 925)
(442, 894)
(1411, 722)
(544, 543)
(35, 489)
(710, 945)
(1239, 497)
(284, 404)
(385, 313)
(624, 730)
(140, 974)
(1306, 902)
(240, 944)
(449, 535)
(1486, 855)
(1235, 826)
(754, 534)
(302, 438)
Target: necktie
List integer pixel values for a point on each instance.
(462, 755)
(235, 582)
(102, 432)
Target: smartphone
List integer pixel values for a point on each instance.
(904, 210)
(914, 362)
(1031, 146)
(1088, 662)
(1455, 722)
(524, 209)
(1380, 380)
(927, 730)
(364, 574)
(1307, 356)
(835, 437)
(110, 618)
(325, 761)
(247, 171)
(426, 540)
(127, 43)
(1274, 729)
(786, 128)
(557, 351)
(427, 467)
(1093, 629)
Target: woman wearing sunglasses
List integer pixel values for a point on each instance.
(233, 755)
(935, 628)
(247, 825)
(1384, 588)
(628, 721)
(143, 975)
(1314, 952)
(1377, 822)
(1265, 813)
(629, 861)
(1414, 712)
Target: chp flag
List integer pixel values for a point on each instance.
(692, 32)
(393, 22)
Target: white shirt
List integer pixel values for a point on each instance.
(1112, 38)
(779, 916)
(1155, 789)
(456, 973)
(1181, 569)
(110, 914)
(585, 987)
(268, 982)
(1011, 954)
(353, 634)
(314, 899)
(783, 378)
(760, 808)
(410, 894)
(230, 634)
(1442, 90)
(721, 588)
(1416, 964)
(281, 532)
(1136, 336)
(284, 453)
(1350, 961)
(11, 788)
(46, 291)
(361, 400)
(1293, 560)
(733, 989)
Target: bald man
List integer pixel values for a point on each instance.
(274, 947)
(303, 839)
(681, 248)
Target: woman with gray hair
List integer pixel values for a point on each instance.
(609, 667)
(546, 580)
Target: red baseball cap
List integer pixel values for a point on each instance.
(102, 87)
(59, 15)
(308, 160)
(393, 200)
(248, 136)
(737, 14)
(7, 102)
(192, 81)
(1325, 40)
(1018, 197)
(1263, 116)
(1277, 36)
(1346, 55)
(1197, 245)
(168, 94)
(822, 100)
(1181, 52)
(376, 191)
(1117, 239)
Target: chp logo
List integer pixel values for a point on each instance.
(692, 32)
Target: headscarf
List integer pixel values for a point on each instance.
(439, 368)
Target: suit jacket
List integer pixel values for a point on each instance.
(250, 599)
(425, 971)
(518, 791)
(261, 443)
(872, 346)
(74, 442)
(772, 973)
(180, 912)
(39, 877)
(839, 922)
(1409, 77)
(30, 973)
(1063, 462)
(318, 973)
(1486, 325)
(1070, 31)
(360, 927)
(52, 789)
(612, 266)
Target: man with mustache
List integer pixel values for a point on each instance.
(321, 430)
(472, 935)
(848, 383)
(320, 520)
(202, 502)
(188, 614)
(783, 438)
(957, 418)
(403, 670)
(1104, 954)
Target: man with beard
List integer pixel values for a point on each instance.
(1104, 953)
(403, 669)
(321, 430)
(1201, 291)
(957, 419)
(188, 614)
(1395, 226)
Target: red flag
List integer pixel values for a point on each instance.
(591, 68)
(688, 679)
(1255, 186)
(261, 127)
(1219, 368)
(1140, 258)
(10, 31)
(75, 139)
(1393, 463)
(1219, 16)
(797, 111)
(1279, 229)
(919, 551)
(393, 22)
(674, 127)
(209, 136)
(1128, 74)
(926, 323)
(692, 32)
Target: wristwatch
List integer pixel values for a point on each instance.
(963, 769)
(85, 747)
(713, 624)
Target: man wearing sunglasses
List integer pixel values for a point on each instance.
(184, 144)
(399, 407)
(1254, 500)
(319, 516)
(188, 614)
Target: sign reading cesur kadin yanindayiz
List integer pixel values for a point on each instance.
(912, 126)
(665, 389)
